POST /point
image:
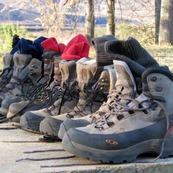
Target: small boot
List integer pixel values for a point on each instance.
(31, 119)
(125, 88)
(143, 126)
(94, 84)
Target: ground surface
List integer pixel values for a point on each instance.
(22, 152)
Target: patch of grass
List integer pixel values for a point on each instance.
(163, 54)
(157, 50)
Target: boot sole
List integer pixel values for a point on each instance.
(119, 156)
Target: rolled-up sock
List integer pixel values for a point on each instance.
(132, 49)
(102, 57)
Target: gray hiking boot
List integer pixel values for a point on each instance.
(46, 97)
(125, 87)
(94, 85)
(14, 86)
(33, 72)
(7, 71)
(31, 119)
(143, 126)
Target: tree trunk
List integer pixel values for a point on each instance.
(110, 17)
(166, 22)
(157, 19)
(89, 19)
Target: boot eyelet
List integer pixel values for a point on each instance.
(34, 66)
(102, 88)
(158, 89)
(153, 79)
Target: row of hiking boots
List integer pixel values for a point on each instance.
(139, 103)
(90, 89)
(30, 82)
(136, 119)
(129, 124)
(100, 108)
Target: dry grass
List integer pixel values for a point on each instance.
(163, 54)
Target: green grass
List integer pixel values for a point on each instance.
(163, 54)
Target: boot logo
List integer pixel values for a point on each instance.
(84, 74)
(111, 141)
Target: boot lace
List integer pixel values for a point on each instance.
(113, 100)
(118, 111)
(96, 94)
(5, 77)
(122, 108)
(66, 95)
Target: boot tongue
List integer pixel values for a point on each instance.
(48, 70)
(68, 72)
(57, 74)
(7, 61)
(125, 82)
(108, 79)
(34, 70)
(86, 70)
(20, 62)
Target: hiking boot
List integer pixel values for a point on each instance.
(46, 98)
(14, 86)
(34, 68)
(31, 119)
(125, 87)
(94, 85)
(37, 101)
(7, 71)
(143, 126)
(33, 72)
